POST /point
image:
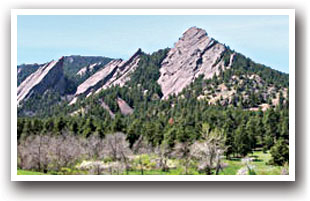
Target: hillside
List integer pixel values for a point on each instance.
(24, 70)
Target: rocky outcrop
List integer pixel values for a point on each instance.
(48, 76)
(123, 72)
(99, 78)
(74, 63)
(88, 68)
(124, 107)
(24, 70)
(194, 54)
(117, 72)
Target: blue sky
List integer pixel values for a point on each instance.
(265, 39)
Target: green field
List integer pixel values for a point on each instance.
(260, 164)
(27, 172)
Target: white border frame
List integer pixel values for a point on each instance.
(16, 12)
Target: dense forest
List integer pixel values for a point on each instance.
(210, 121)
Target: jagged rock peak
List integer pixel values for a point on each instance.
(194, 32)
(195, 53)
(125, 69)
(47, 76)
(130, 60)
(138, 52)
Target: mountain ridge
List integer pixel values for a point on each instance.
(48, 75)
(195, 54)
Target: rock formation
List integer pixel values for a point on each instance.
(122, 75)
(117, 72)
(194, 54)
(24, 70)
(102, 75)
(88, 68)
(48, 76)
(124, 107)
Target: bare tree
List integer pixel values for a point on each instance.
(50, 152)
(28, 153)
(44, 153)
(47, 152)
(33, 152)
(209, 150)
(142, 146)
(70, 151)
(94, 147)
(117, 147)
(164, 152)
(182, 151)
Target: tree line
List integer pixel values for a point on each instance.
(242, 131)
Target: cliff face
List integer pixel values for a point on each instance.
(194, 54)
(96, 80)
(24, 70)
(123, 72)
(117, 72)
(48, 76)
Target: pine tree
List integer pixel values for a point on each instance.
(241, 140)
(89, 127)
(270, 121)
(117, 124)
(251, 131)
(100, 131)
(60, 124)
(134, 131)
(228, 132)
(20, 127)
(74, 127)
(37, 126)
(28, 128)
(280, 152)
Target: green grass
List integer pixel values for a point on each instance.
(262, 167)
(232, 168)
(260, 163)
(28, 172)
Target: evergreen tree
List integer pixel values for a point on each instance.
(74, 127)
(251, 130)
(241, 141)
(117, 124)
(89, 127)
(134, 131)
(280, 152)
(271, 122)
(60, 124)
(20, 127)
